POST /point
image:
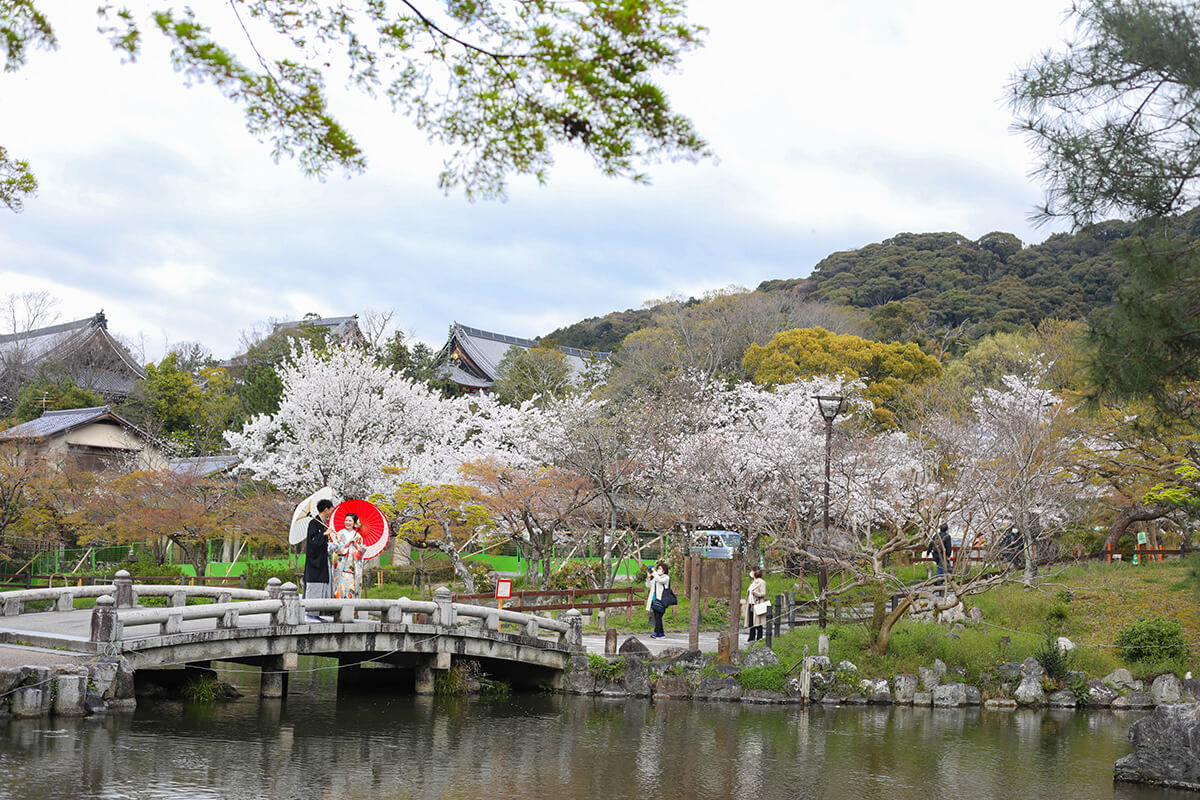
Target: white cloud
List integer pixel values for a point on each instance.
(835, 125)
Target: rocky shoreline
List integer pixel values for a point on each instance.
(677, 674)
(66, 690)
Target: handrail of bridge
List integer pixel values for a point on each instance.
(289, 609)
(63, 598)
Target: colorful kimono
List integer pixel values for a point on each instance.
(346, 563)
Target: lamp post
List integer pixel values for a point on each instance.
(829, 406)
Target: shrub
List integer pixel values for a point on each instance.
(484, 575)
(1056, 663)
(257, 573)
(603, 669)
(577, 575)
(1154, 639)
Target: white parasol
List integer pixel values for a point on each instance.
(306, 511)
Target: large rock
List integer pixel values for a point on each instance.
(848, 667)
(929, 678)
(633, 646)
(950, 695)
(637, 677)
(1009, 671)
(42, 678)
(876, 691)
(1166, 748)
(1063, 698)
(1121, 680)
(69, 695)
(576, 680)
(760, 657)
(103, 672)
(1064, 644)
(1000, 704)
(1166, 689)
(718, 689)
(819, 663)
(924, 699)
(904, 686)
(614, 691)
(1031, 667)
(690, 661)
(1100, 694)
(27, 701)
(1030, 693)
(672, 687)
(1133, 701)
(10, 678)
(93, 703)
(974, 696)
(1191, 689)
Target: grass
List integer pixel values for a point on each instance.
(1089, 604)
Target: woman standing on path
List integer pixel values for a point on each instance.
(756, 594)
(658, 581)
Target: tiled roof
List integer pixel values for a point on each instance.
(203, 466)
(53, 422)
(30, 348)
(486, 350)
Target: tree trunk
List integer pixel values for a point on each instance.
(1132, 514)
(879, 647)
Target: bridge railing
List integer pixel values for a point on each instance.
(286, 608)
(125, 592)
(62, 599)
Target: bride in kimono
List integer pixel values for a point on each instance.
(346, 559)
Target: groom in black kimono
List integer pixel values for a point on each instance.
(316, 556)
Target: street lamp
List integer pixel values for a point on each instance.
(829, 406)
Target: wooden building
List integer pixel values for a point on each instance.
(471, 357)
(83, 351)
(95, 439)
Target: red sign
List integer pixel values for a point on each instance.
(503, 589)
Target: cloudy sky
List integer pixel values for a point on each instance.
(836, 124)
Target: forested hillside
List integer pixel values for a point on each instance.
(941, 281)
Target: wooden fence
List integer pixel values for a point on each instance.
(520, 599)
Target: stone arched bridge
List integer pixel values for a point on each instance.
(272, 628)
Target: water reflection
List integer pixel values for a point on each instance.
(316, 745)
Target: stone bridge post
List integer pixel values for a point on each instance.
(446, 617)
(574, 635)
(124, 590)
(105, 625)
(273, 589)
(291, 612)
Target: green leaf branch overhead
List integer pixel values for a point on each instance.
(501, 83)
(1113, 116)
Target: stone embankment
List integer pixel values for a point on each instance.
(71, 690)
(691, 675)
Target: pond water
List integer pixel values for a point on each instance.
(316, 744)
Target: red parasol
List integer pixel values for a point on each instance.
(375, 531)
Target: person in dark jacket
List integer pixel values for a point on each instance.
(316, 555)
(939, 548)
(1011, 546)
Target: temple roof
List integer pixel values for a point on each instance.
(473, 356)
(114, 376)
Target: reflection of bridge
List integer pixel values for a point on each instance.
(271, 628)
